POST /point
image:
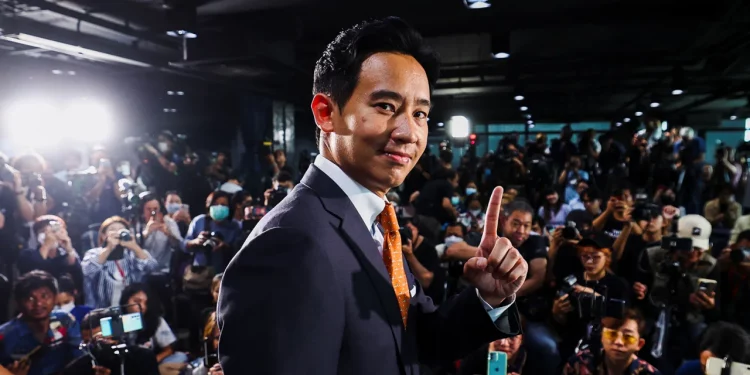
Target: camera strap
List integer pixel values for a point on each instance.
(120, 270)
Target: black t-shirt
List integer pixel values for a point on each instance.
(629, 267)
(430, 201)
(533, 248)
(427, 255)
(612, 229)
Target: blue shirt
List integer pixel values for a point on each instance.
(58, 349)
(103, 283)
(229, 229)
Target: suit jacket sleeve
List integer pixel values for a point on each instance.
(459, 327)
(279, 308)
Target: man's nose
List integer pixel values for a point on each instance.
(406, 129)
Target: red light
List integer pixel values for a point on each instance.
(473, 137)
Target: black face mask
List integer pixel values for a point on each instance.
(667, 200)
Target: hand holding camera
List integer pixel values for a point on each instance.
(639, 290)
(561, 307)
(702, 300)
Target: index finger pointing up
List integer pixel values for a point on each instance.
(493, 215)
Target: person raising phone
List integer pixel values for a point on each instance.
(118, 262)
(617, 213)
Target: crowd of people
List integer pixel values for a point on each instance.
(604, 292)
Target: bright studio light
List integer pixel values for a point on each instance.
(524, 108)
(677, 92)
(732, 117)
(655, 104)
(87, 121)
(459, 127)
(638, 113)
(518, 97)
(38, 123)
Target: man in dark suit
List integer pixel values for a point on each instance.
(320, 286)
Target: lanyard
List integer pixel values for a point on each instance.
(119, 269)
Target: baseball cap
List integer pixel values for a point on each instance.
(595, 239)
(697, 228)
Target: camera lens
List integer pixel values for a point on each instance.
(125, 235)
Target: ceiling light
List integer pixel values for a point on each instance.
(531, 126)
(500, 46)
(519, 97)
(626, 119)
(166, 110)
(524, 108)
(477, 4)
(71, 72)
(459, 127)
(529, 122)
(677, 92)
(618, 124)
(678, 80)
(528, 115)
(732, 117)
(69, 49)
(57, 72)
(440, 124)
(170, 92)
(638, 113)
(173, 110)
(182, 34)
(181, 93)
(654, 104)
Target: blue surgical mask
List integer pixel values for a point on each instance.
(475, 213)
(470, 191)
(173, 207)
(218, 212)
(454, 201)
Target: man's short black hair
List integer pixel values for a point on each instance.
(337, 71)
(592, 193)
(518, 206)
(32, 281)
(744, 235)
(727, 339)
(284, 176)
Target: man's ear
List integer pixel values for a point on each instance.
(323, 108)
(641, 343)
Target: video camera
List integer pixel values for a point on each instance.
(590, 306)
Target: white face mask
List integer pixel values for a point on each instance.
(68, 307)
(163, 147)
(450, 240)
(475, 213)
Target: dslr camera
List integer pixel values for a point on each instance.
(570, 232)
(213, 240)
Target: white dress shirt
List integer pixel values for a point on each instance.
(369, 206)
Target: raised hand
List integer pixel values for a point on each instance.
(497, 270)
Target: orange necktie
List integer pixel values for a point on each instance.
(393, 260)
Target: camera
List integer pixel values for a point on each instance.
(125, 235)
(213, 240)
(570, 232)
(645, 211)
(405, 233)
(116, 322)
(32, 180)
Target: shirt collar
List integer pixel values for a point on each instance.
(367, 203)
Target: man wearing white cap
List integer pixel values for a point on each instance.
(689, 269)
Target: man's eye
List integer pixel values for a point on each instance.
(386, 106)
(421, 115)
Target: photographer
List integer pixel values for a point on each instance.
(104, 196)
(282, 186)
(39, 341)
(29, 185)
(161, 235)
(630, 248)
(574, 305)
(55, 253)
(683, 278)
(616, 215)
(721, 340)
(621, 339)
(723, 211)
(735, 280)
(216, 229)
(118, 262)
(136, 360)
(571, 175)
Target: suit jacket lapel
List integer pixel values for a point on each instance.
(360, 240)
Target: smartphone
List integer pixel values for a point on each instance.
(707, 286)
(105, 163)
(106, 324)
(31, 354)
(209, 357)
(124, 168)
(715, 366)
(132, 322)
(497, 363)
(186, 208)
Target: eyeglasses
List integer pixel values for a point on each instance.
(595, 258)
(612, 335)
